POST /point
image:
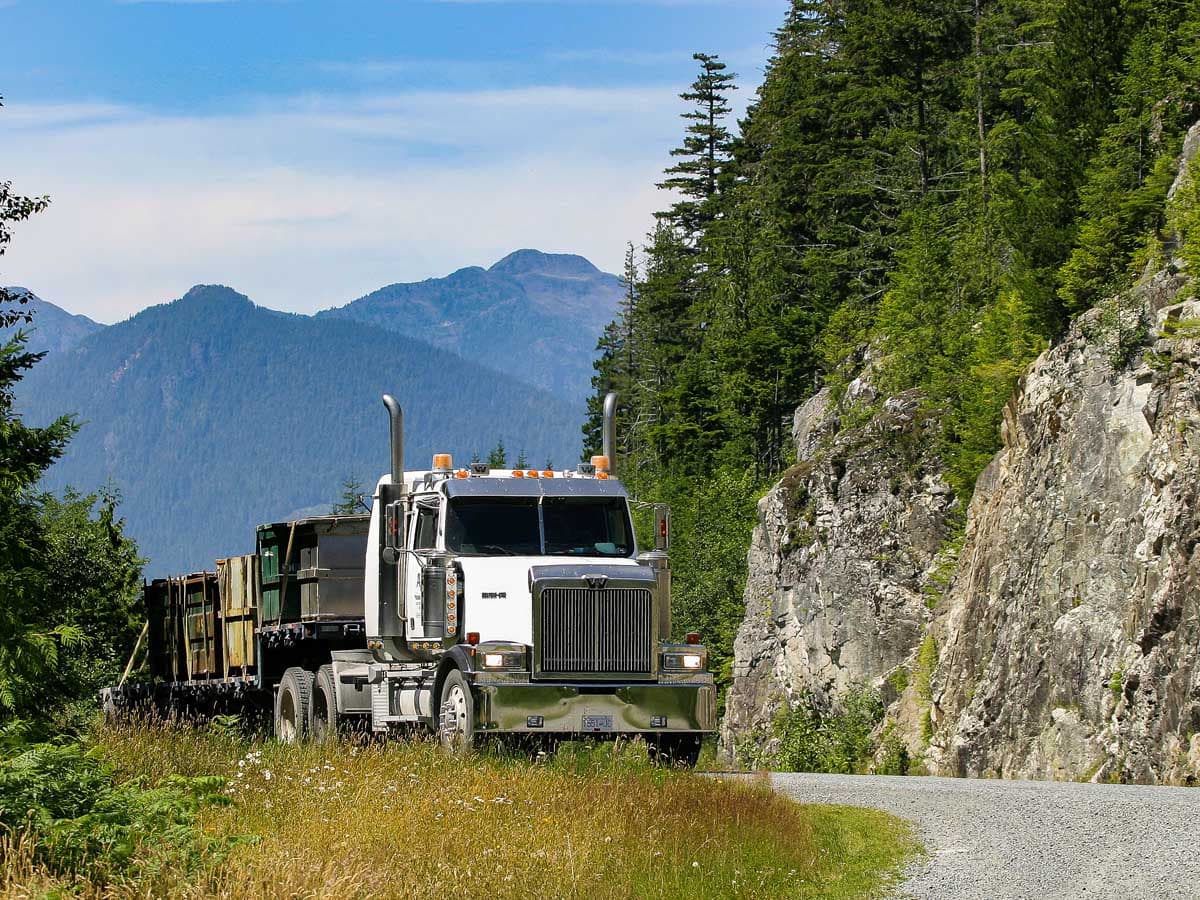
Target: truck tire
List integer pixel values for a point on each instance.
(675, 749)
(326, 717)
(456, 714)
(293, 706)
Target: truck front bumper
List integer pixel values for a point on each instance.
(595, 708)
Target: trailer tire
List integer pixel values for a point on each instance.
(456, 714)
(326, 717)
(293, 706)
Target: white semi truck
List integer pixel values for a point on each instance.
(472, 601)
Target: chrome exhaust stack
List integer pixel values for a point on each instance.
(392, 519)
(396, 415)
(609, 432)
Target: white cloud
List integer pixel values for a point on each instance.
(314, 201)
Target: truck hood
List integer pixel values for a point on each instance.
(496, 600)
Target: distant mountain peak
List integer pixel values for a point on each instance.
(53, 328)
(526, 262)
(215, 293)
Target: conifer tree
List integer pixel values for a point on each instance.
(705, 149)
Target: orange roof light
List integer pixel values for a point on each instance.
(462, 473)
(532, 473)
(517, 473)
(549, 473)
(601, 464)
(443, 461)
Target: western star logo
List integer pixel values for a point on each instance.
(596, 582)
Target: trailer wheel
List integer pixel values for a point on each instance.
(326, 718)
(456, 714)
(293, 706)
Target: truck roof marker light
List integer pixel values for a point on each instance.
(549, 473)
(693, 637)
(473, 638)
(532, 473)
(443, 462)
(602, 475)
(517, 473)
(462, 473)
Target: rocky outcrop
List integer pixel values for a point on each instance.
(841, 560)
(1067, 642)
(1071, 640)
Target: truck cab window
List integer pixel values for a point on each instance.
(587, 526)
(425, 531)
(493, 526)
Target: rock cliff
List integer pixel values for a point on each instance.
(843, 561)
(1063, 639)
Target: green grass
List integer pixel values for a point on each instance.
(404, 819)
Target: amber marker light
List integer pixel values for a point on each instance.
(693, 637)
(443, 461)
(549, 473)
(473, 638)
(517, 473)
(532, 473)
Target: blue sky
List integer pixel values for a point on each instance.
(308, 152)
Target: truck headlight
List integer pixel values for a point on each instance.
(684, 658)
(500, 656)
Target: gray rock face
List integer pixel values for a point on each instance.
(1070, 646)
(1067, 644)
(844, 547)
(1071, 642)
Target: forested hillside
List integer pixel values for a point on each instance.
(926, 190)
(211, 415)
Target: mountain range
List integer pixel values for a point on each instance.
(534, 315)
(52, 328)
(210, 414)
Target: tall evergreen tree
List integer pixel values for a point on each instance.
(705, 149)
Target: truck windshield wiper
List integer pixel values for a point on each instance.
(495, 548)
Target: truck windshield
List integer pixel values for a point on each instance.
(509, 526)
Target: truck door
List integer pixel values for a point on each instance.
(422, 538)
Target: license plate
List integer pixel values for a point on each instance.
(597, 723)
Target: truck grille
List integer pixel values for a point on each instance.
(589, 632)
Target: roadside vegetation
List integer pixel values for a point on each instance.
(172, 810)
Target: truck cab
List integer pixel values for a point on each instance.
(502, 601)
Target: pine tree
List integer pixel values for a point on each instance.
(705, 149)
(498, 457)
(351, 502)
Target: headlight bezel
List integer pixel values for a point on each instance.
(512, 657)
(686, 659)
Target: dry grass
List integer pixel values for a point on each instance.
(402, 819)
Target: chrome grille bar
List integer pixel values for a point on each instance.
(596, 632)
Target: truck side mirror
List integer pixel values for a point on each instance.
(662, 527)
(393, 532)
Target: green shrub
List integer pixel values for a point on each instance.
(82, 822)
(837, 740)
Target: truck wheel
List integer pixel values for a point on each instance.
(675, 749)
(456, 714)
(293, 706)
(326, 719)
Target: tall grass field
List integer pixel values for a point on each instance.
(184, 812)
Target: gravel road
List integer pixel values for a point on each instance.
(1031, 839)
